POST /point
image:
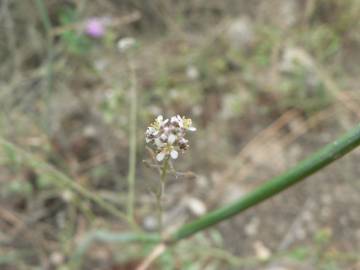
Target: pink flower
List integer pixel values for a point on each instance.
(95, 27)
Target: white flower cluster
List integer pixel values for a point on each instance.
(168, 136)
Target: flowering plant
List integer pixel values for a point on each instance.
(168, 137)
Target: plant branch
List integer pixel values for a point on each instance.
(307, 167)
(132, 147)
(161, 192)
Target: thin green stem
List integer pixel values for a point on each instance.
(309, 166)
(50, 51)
(164, 172)
(160, 195)
(132, 147)
(159, 210)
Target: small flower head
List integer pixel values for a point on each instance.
(126, 43)
(168, 136)
(95, 27)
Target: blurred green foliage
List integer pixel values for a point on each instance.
(74, 39)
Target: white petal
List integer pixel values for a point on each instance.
(174, 154)
(172, 138)
(159, 118)
(165, 121)
(180, 121)
(173, 119)
(192, 128)
(150, 131)
(163, 137)
(160, 156)
(158, 142)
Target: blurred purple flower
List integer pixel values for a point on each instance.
(95, 27)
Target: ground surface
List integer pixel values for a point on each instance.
(266, 84)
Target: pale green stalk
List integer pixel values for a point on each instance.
(132, 142)
(161, 192)
(40, 4)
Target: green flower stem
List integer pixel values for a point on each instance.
(44, 15)
(160, 195)
(132, 142)
(314, 163)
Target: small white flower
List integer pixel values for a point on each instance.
(180, 121)
(125, 44)
(160, 157)
(151, 131)
(188, 124)
(183, 140)
(171, 139)
(160, 122)
(192, 72)
(173, 120)
(177, 120)
(174, 154)
(160, 118)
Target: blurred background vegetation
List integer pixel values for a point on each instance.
(265, 82)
